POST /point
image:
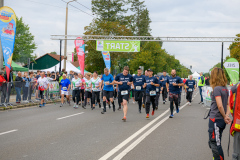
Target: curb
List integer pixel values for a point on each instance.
(26, 105)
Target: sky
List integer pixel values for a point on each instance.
(173, 18)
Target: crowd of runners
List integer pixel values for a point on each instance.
(144, 89)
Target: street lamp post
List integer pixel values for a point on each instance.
(65, 44)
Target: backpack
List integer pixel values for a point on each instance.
(235, 111)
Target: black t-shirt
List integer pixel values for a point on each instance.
(125, 79)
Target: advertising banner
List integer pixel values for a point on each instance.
(53, 87)
(80, 49)
(8, 31)
(107, 59)
(232, 68)
(118, 46)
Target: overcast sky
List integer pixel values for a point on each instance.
(187, 18)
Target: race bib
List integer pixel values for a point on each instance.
(106, 82)
(157, 89)
(95, 89)
(138, 88)
(64, 88)
(190, 89)
(152, 93)
(124, 92)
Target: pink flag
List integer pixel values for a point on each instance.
(80, 49)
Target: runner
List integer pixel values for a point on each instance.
(124, 81)
(82, 88)
(96, 86)
(163, 78)
(151, 83)
(144, 92)
(75, 87)
(65, 87)
(108, 82)
(159, 91)
(189, 86)
(172, 85)
(43, 85)
(88, 89)
(138, 82)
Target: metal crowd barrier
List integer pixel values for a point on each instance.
(13, 93)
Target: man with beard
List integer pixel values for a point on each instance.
(173, 83)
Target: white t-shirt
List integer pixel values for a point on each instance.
(76, 82)
(49, 79)
(42, 83)
(88, 84)
(95, 82)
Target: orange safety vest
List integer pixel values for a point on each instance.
(235, 111)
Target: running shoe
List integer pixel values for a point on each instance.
(74, 106)
(189, 104)
(83, 107)
(157, 108)
(134, 102)
(147, 116)
(119, 108)
(100, 105)
(93, 108)
(43, 104)
(140, 111)
(103, 111)
(143, 105)
(61, 105)
(152, 113)
(124, 119)
(40, 105)
(177, 110)
(163, 102)
(171, 116)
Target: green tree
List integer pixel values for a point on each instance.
(235, 49)
(109, 10)
(54, 52)
(24, 43)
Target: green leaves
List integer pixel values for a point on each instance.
(24, 43)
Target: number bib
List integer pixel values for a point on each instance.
(124, 92)
(157, 89)
(94, 89)
(152, 93)
(190, 89)
(64, 88)
(106, 82)
(138, 88)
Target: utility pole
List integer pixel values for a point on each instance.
(222, 57)
(1, 52)
(65, 44)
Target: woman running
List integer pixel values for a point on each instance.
(96, 85)
(75, 85)
(82, 90)
(88, 89)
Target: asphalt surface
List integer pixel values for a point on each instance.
(56, 133)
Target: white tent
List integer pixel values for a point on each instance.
(69, 67)
(195, 75)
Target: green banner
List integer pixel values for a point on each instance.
(232, 68)
(118, 46)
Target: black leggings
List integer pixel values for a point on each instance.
(76, 93)
(164, 93)
(95, 95)
(189, 96)
(138, 97)
(157, 98)
(41, 94)
(81, 95)
(87, 95)
(150, 99)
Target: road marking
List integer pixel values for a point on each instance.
(136, 142)
(117, 148)
(8, 132)
(70, 116)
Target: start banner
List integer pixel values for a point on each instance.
(118, 46)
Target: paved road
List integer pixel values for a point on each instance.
(65, 133)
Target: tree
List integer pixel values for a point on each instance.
(54, 52)
(24, 43)
(109, 10)
(235, 49)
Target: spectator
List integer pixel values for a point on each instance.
(6, 87)
(18, 86)
(36, 78)
(31, 84)
(53, 76)
(201, 83)
(184, 80)
(57, 76)
(71, 76)
(3, 70)
(25, 86)
(2, 80)
(207, 81)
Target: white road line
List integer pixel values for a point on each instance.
(136, 142)
(117, 148)
(70, 116)
(8, 132)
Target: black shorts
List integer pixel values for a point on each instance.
(41, 94)
(108, 94)
(123, 97)
(88, 94)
